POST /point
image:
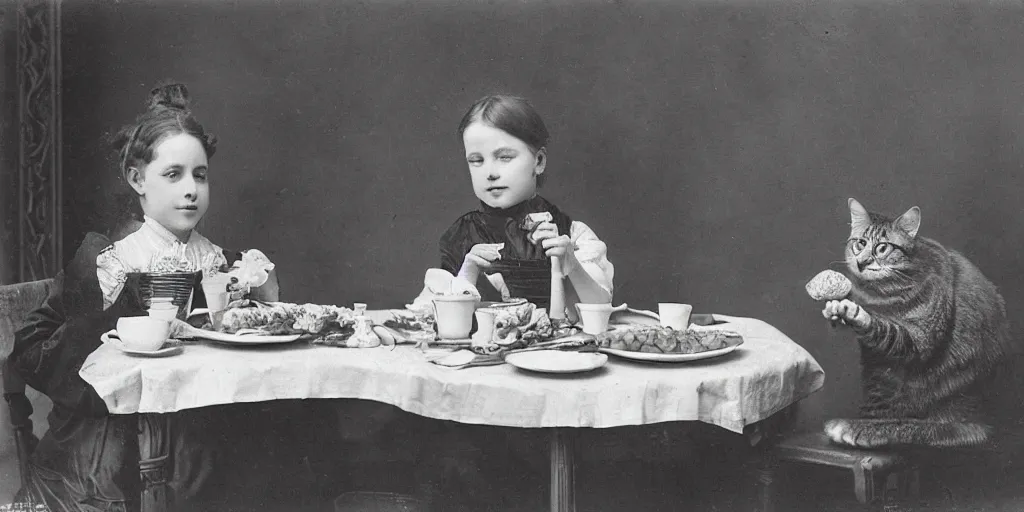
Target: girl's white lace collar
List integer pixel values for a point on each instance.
(158, 230)
(139, 251)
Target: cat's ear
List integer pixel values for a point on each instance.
(910, 222)
(859, 218)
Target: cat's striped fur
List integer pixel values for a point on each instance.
(937, 331)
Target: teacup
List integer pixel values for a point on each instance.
(594, 316)
(454, 315)
(675, 315)
(216, 283)
(484, 325)
(217, 300)
(216, 303)
(163, 311)
(142, 333)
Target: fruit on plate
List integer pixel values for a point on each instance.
(666, 340)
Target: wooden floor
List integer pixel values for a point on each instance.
(661, 488)
(715, 477)
(719, 485)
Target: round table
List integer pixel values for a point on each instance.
(766, 374)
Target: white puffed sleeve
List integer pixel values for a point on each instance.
(112, 273)
(592, 255)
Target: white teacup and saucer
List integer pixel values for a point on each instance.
(141, 336)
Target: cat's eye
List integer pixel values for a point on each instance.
(882, 249)
(858, 245)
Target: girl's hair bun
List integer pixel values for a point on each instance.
(169, 96)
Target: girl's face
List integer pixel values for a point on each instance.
(173, 187)
(504, 169)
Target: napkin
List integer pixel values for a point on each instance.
(253, 270)
(439, 282)
(532, 220)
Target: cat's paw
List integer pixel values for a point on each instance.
(837, 431)
(849, 433)
(849, 312)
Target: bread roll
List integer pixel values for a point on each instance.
(829, 285)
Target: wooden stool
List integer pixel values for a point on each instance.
(874, 472)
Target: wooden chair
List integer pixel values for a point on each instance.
(879, 477)
(16, 302)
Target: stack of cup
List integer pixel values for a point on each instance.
(176, 285)
(163, 308)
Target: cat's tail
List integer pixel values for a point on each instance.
(877, 433)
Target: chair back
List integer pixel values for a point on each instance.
(16, 302)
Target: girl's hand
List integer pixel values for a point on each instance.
(849, 312)
(480, 256)
(546, 235)
(555, 245)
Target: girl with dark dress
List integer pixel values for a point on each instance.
(505, 142)
(88, 460)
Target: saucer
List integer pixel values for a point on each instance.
(166, 351)
(556, 361)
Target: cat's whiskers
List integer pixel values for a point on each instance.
(898, 274)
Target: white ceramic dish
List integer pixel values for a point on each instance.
(143, 333)
(243, 337)
(667, 358)
(624, 315)
(454, 315)
(557, 361)
(166, 312)
(166, 351)
(505, 304)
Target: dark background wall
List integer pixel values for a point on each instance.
(712, 145)
(9, 132)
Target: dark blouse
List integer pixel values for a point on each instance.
(490, 225)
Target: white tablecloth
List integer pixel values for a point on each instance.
(766, 374)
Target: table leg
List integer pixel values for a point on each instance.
(765, 472)
(563, 470)
(154, 463)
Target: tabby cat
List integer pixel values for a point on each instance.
(931, 330)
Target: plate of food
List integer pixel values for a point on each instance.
(277, 322)
(644, 342)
